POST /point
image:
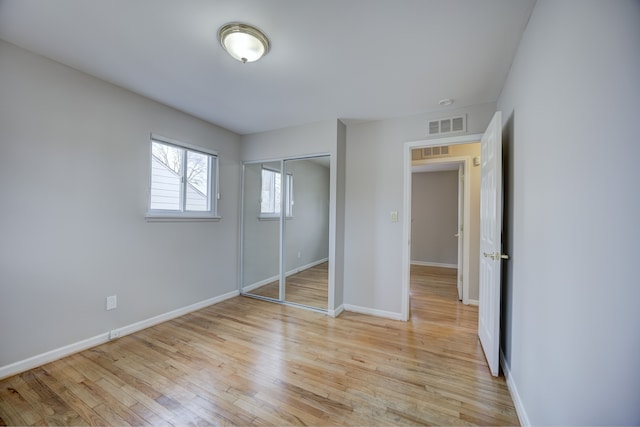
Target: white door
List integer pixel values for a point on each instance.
(460, 234)
(491, 242)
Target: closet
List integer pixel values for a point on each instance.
(285, 231)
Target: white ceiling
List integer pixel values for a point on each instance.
(349, 59)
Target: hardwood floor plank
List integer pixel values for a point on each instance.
(85, 413)
(12, 408)
(251, 362)
(27, 402)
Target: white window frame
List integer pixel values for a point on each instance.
(288, 185)
(213, 185)
(289, 196)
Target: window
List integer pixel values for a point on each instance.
(270, 201)
(183, 181)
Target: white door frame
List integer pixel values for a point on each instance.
(463, 182)
(463, 259)
(406, 213)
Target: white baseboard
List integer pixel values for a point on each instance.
(513, 390)
(268, 280)
(50, 356)
(434, 264)
(336, 312)
(59, 353)
(472, 302)
(144, 324)
(372, 312)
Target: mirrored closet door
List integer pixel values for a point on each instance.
(285, 231)
(260, 232)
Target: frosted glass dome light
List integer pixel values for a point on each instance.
(243, 42)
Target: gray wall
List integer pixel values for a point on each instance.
(434, 217)
(373, 244)
(74, 177)
(570, 305)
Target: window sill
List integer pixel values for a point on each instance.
(180, 217)
(272, 218)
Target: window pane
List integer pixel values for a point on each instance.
(198, 173)
(166, 165)
(270, 192)
(277, 182)
(265, 192)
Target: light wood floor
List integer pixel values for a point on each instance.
(251, 362)
(309, 287)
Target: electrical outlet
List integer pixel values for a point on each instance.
(299, 254)
(112, 302)
(114, 334)
(394, 216)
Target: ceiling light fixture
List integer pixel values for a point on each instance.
(243, 42)
(445, 102)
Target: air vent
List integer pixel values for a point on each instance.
(448, 125)
(435, 152)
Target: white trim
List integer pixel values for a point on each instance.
(143, 324)
(472, 302)
(434, 264)
(336, 312)
(272, 217)
(372, 312)
(406, 214)
(156, 216)
(59, 353)
(513, 391)
(50, 356)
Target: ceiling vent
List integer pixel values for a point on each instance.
(448, 125)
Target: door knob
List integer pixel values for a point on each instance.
(495, 255)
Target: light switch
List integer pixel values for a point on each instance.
(394, 216)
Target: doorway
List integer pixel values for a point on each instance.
(467, 256)
(439, 212)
